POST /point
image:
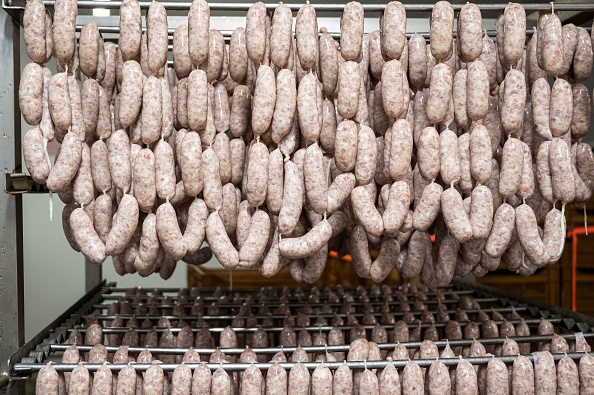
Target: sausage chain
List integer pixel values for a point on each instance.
(278, 146)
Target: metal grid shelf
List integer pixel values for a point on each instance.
(33, 356)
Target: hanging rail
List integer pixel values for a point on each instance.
(29, 368)
(231, 6)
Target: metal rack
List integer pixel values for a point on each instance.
(26, 358)
(33, 356)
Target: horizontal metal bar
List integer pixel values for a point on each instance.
(336, 7)
(26, 368)
(313, 305)
(282, 316)
(313, 328)
(318, 349)
(116, 296)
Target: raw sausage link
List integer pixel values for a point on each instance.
(66, 164)
(442, 25)
(351, 28)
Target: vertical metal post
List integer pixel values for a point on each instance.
(93, 275)
(12, 322)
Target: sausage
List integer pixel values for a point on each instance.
(67, 163)
(545, 378)
(219, 242)
(501, 231)
(130, 29)
(449, 154)
(47, 381)
(366, 212)
(383, 264)
(477, 90)
(351, 28)
(514, 101)
(438, 379)
(157, 36)
(88, 49)
(401, 145)
(480, 154)
(34, 31)
(396, 210)
(182, 63)
(540, 96)
(59, 100)
(346, 145)
(144, 180)
(165, 170)
(417, 61)
(481, 212)
(523, 376)
(459, 97)
(264, 100)
(314, 172)
(197, 99)
(34, 153)
(580, 120)
(238, 56)
(299, 380)
(124, 225)
(152, 106)
(561, 107)
(440, 93)
(349, 81)
(543, 172)
(65, 13)
(359, 248)
(286, 103)
(255, 32)
(303, 246)
(529, 236)
(582, 59)
(306, 33)
(514, 37)
(428, 207)
(198, 28)
(90, 101)
(552, 46)
(329, 63)
(512, 163)
(31, 88)
(561, 173)
(255, 243)
(393, 30)
(82, 183)
(240, 111)
(281, 36)
(195, 227)
(428, 153)
(86, 238)
(392, 89)
(292, 199)
(470, 31)
(46, 125)
(168, 231)
(131, 93)
(553, 237)
(455, 216)
(416, 255)
(216, 56)
(257, 174)
(412, 378)
(497, 377)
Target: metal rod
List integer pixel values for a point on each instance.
(318, 349)
(29, 368)
(282, 316)
(116, 296)
(302, 304)
(180, 6)
(311, 328)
